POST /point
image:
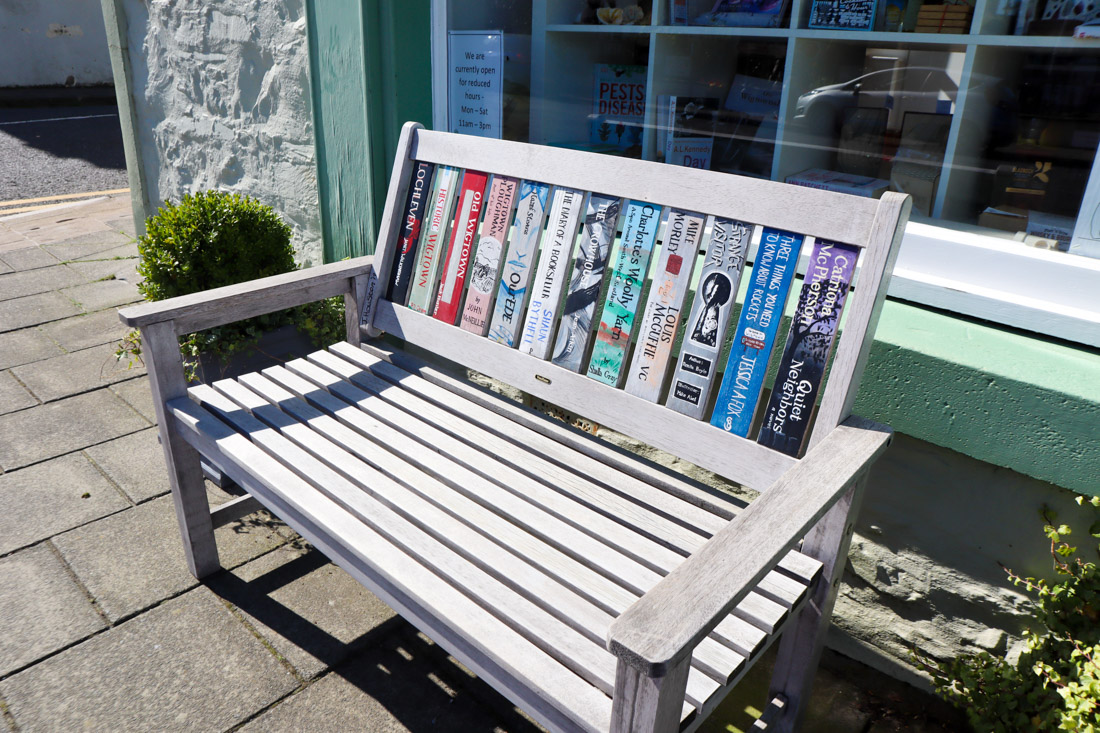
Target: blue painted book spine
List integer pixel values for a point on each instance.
(772, 274)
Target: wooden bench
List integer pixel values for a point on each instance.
(594, 589)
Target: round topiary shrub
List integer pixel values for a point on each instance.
(212, 239)
(208, 240)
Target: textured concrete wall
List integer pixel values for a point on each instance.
(59, 42)
(222, 101)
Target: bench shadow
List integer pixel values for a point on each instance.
(401, 670)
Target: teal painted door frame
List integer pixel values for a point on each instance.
(370, 70)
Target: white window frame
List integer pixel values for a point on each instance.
(976, 275)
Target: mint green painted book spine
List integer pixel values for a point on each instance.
(433, 239)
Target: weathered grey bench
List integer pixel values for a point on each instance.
(595, 590)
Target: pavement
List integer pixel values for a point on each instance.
(101, 626)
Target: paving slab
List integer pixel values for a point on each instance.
(31, 282)
(133, 559)
(47, 431)
(13, 395)
(311, 611)
(124, 224)
(27, 345)
(41, 608)
(134, 462)
(118, 252)
(138, 394)
(34, 309)
(119, 267)
(28, 258)
(86, 244)
(5, 268)
(403, 684)
(80, 332)
(76, 372)
(40, 501)
(187, 665)
(95, 296)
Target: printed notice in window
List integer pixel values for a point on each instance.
(474, 82)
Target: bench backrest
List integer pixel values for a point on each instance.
(873, 226)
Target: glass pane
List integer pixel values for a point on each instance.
(988, 114)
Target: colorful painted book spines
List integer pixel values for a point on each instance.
(486, 264)
(519, 262)
(589, 265)
(809, 344)
(471, 197)
(666, 301)
(630, 261)
(710, 315)
(772, 274)
(409, 237)
(557, 248)
(438, 218)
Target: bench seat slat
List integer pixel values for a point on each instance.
(502, 560)
(619, 459)
(759, 612)
(670, 505)
(572, 497)
(524, 672)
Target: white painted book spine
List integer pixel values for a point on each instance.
(664, 308)
(486, 260)
(519, 263)
(557, 248)
(710, 315)
(432, 240)
(589, 266)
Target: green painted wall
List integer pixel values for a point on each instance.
(1009, 399)
(370, 70)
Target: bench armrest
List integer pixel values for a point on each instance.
(210, 308)
(664, 626)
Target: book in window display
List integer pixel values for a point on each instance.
(680, 116)
(744, 132)
(744, 13)
(850, 15)
(618, 107)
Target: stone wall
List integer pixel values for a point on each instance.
(222, 101)
(55, 43)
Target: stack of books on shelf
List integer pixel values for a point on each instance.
(944, 18)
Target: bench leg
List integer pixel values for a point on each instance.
(645, 704)
(160, 348)
(801, 644)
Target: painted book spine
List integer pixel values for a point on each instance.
(518, 264)
(538, 326)
(809, 344)
(471, 198)
(663, 312)
(412, 221)
(486, 264)
(589, 265)
(710, 315)
(772, 273)
(426, 273)
(630, 261)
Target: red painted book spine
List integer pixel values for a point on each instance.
(471, 196)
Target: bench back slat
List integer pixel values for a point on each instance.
(873, 225)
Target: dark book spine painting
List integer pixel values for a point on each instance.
(471, 197)
(426, 272)
(772, 273)
(809, 344)
(710, 315)
(486, 264)
(589, 266)
(561, 233)
(519, 263)
(630, 261)
(415, 204)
